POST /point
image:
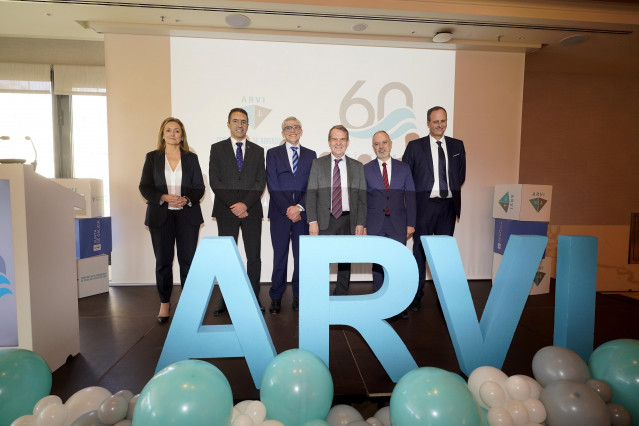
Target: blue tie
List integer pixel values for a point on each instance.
(295, 159)
(443, 179)
(238, 155)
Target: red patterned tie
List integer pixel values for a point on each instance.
(386, 184)
(336, 193)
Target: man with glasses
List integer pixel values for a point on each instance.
(237, 177)
(287, 169)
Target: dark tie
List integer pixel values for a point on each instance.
(336, 193)
(238, 155)
(443, 180)
(386, 184)
(295, 159)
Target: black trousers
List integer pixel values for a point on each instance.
(341, 226)
(176, 231)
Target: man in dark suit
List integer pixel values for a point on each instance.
(438, 165)
(329, 210)
(287, 170)
(237, 177)
(390, 197)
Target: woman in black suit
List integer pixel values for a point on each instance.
(172, 185)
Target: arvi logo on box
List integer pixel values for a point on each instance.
(538, 203)
(506, 201)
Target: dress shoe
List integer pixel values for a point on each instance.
(296, 304)
(276, 306)
(416, 304)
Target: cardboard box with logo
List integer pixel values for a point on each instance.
(93, 275)
(92, 237)
(93, 192)
(541, 282)
(522, 202)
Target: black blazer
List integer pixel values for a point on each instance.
(231, 186)
(153, 186)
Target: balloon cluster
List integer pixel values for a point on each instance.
(297, 390)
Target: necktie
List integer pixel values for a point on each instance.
(295, 159)
(238, 155)
(443, 180)
(387, 185)
(336, 193)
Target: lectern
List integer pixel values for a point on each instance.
(38, 280)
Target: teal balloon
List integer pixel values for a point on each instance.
(617, 363)
(432, 396)
(296, 387)
(25, 378)
(190, 392)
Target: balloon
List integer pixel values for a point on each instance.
(374, 421)
(25, 378)
(481, 375)
(125, 422)
(256, 411)
(535, 387)
(243, 420)
(491, 394)
(359, 423)
(536, 410)
(272, 423)
(556, 363)
(602, 388)
(433, 396)
(88, 419)
(296, 387)
(499, 416)
(619, 416)
(126, 394)
(26, 420)
(132, 402)
(572, 403)
(517, 411)
(383, 414)
(53, 415)
(315, 422)
(341, 415)
(44, 402)
(617, 363)
(518, 388)
(84, 401)
(113, 409)
(241, 406)
(186, 392)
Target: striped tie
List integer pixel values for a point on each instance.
(387, 185)
(336, 194)
(295, 159)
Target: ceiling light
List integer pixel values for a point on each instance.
(573, 40)
(238, 21)
(443, 37)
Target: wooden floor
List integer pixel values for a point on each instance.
(120, 341)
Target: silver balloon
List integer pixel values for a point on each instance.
(619, 416)
(126, 394)
(132, 402)
(602, 388)
(113, 409)
(88, 419)
(571, 403)
(556, 363)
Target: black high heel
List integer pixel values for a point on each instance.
(163, 320)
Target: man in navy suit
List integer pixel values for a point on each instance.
(287, 170)
(438, 165)
(390, 197)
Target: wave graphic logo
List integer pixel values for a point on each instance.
(4, 281)
(397, 123)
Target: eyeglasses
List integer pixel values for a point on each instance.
(291, 128)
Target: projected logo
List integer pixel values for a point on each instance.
(256, 112)
(5, 283)
(538, 203)
(396, 122)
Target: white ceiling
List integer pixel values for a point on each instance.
(536, 27)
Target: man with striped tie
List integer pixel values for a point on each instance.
(336, 197)
(287, 169)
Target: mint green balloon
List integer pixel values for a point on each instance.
(617, 363)
(432, 396)
(296, 387)
(190, 392)
(25, 378)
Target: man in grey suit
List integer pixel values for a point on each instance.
(329, 210)
(238, 178)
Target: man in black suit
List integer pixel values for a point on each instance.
(438, 165)
(237, 177)
(331, 210)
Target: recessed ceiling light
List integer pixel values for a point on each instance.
(237, 21)
(443, 37)
(359, 27)
(573, 40)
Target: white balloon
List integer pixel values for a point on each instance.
(241, 406)
(535, 387)
(125, 422)
(126, 394)
(359, 423)
(113, 409)
(383, 415)
(243, 420)
(492, 395)
(272, 423)
(499, 416)
(536, 410)
(53, 415)
(483, 374)
(374, 421)
(44, 402)
(85, 400)
(518, 388)
(26, 420)
(234, 413)
(517, 411)
(342, 415)
(256, 411)
(132, 402)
